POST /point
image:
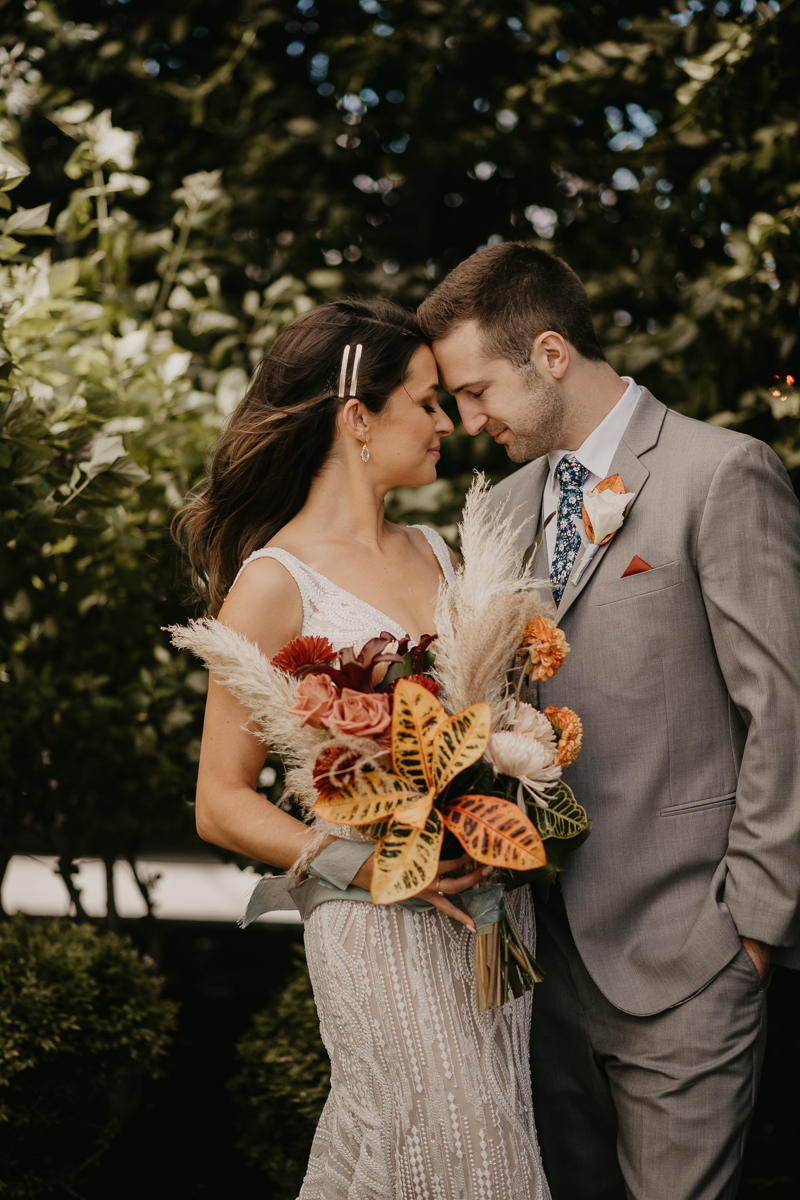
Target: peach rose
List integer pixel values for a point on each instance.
(361, 714)
(316, 696)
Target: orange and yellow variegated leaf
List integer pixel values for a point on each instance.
(372, 796)
(460, 741)
(414, 811)
(407, 860)
(496, 832)
(377, 831)
(416, 716)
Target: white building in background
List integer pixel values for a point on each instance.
(185, 891)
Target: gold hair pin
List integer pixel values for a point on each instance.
(343, 372)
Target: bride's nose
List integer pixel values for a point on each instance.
(444, 426)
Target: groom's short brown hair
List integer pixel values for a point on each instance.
(514, 292)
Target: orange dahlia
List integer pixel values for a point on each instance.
(302, 651)
(568, 729)
(544, 649)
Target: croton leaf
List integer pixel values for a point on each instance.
(407, 860)
(377, 831)
(416, 717)
(370, 797)
(459, 742)
(563, 817)
(414, 810)
(495, 832)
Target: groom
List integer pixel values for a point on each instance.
(648, 1032)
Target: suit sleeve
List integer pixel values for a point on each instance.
(748, 556)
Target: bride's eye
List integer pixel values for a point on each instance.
(429, 408)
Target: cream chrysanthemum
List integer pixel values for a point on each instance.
(524, 758)
(528, 720)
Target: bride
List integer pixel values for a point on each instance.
(429, 1098)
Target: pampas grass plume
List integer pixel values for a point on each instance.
(481, 617)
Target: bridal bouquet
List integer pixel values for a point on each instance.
(415, 744)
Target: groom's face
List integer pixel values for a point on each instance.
(522, 409)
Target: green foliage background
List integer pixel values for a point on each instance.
(82, 1024)
(182, 178)
(282, 1084)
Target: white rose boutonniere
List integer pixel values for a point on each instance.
(604, 510)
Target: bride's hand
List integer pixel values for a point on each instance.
(445, 885)
(442, 887)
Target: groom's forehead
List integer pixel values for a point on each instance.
(460, 358)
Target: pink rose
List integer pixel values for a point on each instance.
(316, 696)
(360, 714)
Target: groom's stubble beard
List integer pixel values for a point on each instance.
(540, 427)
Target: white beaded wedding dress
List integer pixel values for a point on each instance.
(429, 1100)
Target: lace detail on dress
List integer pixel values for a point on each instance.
(332, 612)
(429, 1100)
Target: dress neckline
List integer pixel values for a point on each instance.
(365, 603)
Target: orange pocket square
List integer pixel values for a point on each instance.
(635, 567)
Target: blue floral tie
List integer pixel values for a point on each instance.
(572, 476)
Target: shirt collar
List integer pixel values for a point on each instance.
(598, 450)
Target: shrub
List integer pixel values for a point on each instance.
(282, 1085)
(82, 1024)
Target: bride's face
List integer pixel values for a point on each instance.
(403, 439)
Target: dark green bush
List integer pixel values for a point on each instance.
(82, 1024)
(282, 1085)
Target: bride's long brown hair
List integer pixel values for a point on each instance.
(279, 436)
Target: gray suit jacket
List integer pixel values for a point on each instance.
(687, 679)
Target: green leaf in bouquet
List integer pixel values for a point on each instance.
(557, 850)
(563, 818)
(396, 671)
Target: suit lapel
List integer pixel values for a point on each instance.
(530, 509)
(640, 436)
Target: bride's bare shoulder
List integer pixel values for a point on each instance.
(264, 605)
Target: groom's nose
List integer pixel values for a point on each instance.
(472, 418)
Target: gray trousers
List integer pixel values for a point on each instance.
(641, 1108)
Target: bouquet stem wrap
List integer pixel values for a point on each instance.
(504, 966)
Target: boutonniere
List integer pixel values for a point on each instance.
(604, 510)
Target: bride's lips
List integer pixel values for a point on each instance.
(434, 450)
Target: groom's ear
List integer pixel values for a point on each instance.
(551, 354)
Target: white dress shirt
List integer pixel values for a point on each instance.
(596, 454)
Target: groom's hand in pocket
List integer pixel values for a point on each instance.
(760, 953)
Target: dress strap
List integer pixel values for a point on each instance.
(293, 565)
(311, 594)
(439, 547)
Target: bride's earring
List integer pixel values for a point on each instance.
(365, 453)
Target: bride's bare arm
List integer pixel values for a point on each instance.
(265, 607)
